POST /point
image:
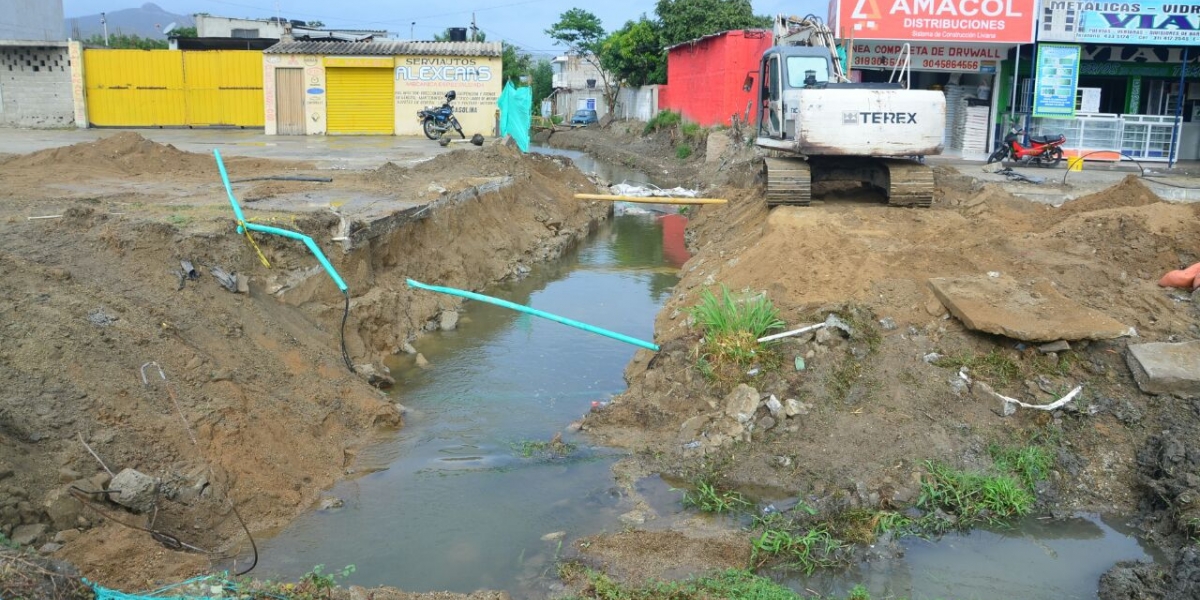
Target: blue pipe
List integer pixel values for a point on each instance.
(308, 241)
(535, 312)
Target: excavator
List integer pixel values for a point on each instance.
(819, 126)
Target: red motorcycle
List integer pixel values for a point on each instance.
(1043, 151)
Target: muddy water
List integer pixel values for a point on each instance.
(1037, 559)
(611, 173)
(452, 502)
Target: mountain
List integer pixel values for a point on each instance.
(141, 21)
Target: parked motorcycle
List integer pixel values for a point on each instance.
(436, 121)
(1042, 151)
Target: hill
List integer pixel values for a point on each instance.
(147, 21)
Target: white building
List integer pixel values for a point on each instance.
(32, 20)
(577, 84)
(208, 26)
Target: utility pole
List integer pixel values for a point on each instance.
(412, 26)
(104, 22)
(474, 29)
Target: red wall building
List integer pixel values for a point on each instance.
(705, 76)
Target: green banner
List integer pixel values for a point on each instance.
(1057, 77)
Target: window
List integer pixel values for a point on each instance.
(243, 33)
(798, 66)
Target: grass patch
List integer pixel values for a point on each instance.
(665, 119)
(1030, 464)
(707, 496)
(683, 151)
(732, 583)
(972, 497)
(997, 367)
(807, 549)
(731, 328)
(555, 448)
(864, 525)
(314, 585)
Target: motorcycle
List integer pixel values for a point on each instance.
(1043, 151)
(436, 121)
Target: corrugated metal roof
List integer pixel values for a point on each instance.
(388, 48)
(745, 32)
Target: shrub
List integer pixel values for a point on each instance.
(665, 119)
(683, 151)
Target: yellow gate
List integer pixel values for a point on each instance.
(360, 101)
(223, 87)
(172, 88)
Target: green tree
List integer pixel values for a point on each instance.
(582, 34)
(316, 23)
(543, 83)
(183, 32)
(515, 63)
(126, 42)
(635, 53)
(683, 20)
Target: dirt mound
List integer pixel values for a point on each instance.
(1130, 192)
(129, 155)
(126, 152)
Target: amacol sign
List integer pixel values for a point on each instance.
(989, 21)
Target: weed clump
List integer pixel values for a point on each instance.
(708, 497)
(731, 328)
(731, 583)
(972, 497)
(664, 120)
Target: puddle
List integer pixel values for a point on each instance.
(452, 503)
(1035, 560)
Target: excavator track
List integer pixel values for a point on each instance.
(909, 183)
(788, 181)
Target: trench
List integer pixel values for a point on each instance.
(464, 498)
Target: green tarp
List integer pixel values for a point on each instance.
(516, 106)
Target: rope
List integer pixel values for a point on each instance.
(261, 256)
(224, 585)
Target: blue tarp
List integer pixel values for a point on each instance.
(516, 106)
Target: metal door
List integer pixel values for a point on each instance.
(360, 101)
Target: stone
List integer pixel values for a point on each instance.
(791, 407)
(139, 491)
(62, 508)
(422, 361)
(691, 428)
(775, 407)
(888, 324)
(448, 320)
(50, 548)
(1033, 313)
(935, 308)
(66, 475)
(554, 536)
(408, 348)
(1165, 368)
(823, 335)
(633, 517)
(243, 284)
(25, 535)
(331, 502)
(766, 423)
(67, 536)
(741, 403)
(1059, 346)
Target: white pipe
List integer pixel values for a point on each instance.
(777, 336)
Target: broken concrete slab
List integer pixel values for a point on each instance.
(1164, 368)
(1033, 313)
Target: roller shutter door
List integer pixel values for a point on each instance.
(360, 101)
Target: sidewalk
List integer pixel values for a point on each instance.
(327, 152)
(1180, 184)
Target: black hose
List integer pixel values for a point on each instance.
(285, 178)
(346, 315)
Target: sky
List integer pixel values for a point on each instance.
(520, 22)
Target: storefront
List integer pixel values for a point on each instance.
(1139, 78)
(953, 46)
(376, 88)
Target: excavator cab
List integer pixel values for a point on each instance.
(788, 68)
